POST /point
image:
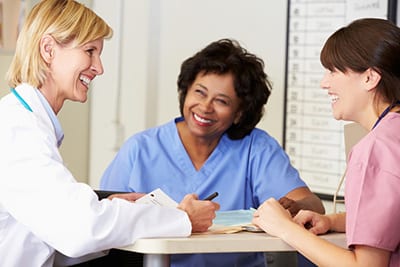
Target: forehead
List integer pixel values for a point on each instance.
(96, 45)
(214, 81)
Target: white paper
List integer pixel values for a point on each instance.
(159, 198)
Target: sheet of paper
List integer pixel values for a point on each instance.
(157, 197)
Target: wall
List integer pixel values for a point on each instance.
(152, 38)
(5, 59)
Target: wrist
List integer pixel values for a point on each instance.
(335, 222)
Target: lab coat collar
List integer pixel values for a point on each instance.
(28, 93)
(56, 123)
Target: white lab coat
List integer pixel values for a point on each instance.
(44, 209)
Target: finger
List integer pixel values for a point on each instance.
(300, 220)
(255, 220)
(216, 205)
(282, 200)
(189, 197)
(314, 230)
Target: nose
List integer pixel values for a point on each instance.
(206, 105)
(97, 66)
(324, 84)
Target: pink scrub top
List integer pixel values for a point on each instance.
(372, 189)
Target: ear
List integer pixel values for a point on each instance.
(237, 117)
(372, 79)
(47, 44)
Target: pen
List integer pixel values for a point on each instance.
(212, 196)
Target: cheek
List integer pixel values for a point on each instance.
(185, 109)
(189, 103)
(229, 116)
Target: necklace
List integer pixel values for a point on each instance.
(385, 112)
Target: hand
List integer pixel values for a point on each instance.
(292, 206)
(201, 212)
(272, 217)
(314, 222)
(132, 197)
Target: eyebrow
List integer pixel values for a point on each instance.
(92, 47)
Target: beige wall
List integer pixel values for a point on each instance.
(5, 59)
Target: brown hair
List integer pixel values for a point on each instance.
(367, 43)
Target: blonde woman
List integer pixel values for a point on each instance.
(42, 207)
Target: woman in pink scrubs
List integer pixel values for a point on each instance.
(362, 78)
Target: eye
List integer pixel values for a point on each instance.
(90, 51)
(222, 101)
(199, 92)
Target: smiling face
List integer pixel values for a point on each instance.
(350, 97)
(211, 106)
(71, 71)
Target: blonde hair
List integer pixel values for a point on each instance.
(66, 21)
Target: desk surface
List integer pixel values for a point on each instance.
(212, 243)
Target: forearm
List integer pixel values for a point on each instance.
(304, 200)
(311, 202)
(316, 249)
(326, 254)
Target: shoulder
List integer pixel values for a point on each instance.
(153, 135)
(257, 141)
(260, 138)
(12, 112)
(379, 148)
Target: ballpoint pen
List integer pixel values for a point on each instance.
(212, 196)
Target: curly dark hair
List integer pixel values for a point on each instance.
(250, 81)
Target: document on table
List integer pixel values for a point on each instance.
(159, 198)
(225, 222)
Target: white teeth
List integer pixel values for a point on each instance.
(334, 98)
(85, 80)
(201, 119)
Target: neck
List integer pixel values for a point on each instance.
(198, 149)
(51, 97)
(384, 110)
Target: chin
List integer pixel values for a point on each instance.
(337, 117)
(81, 98)
(78, 99)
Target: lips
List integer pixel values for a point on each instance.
(85, 80)
(201, 119)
